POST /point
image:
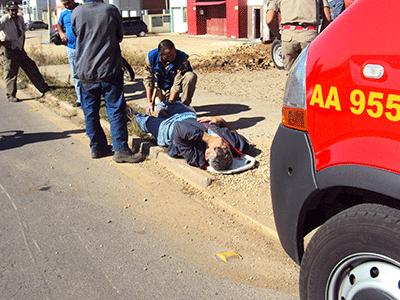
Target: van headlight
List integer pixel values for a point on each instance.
(294, 111)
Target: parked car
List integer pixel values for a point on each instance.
(37, 25)
(335, 159)
(134, 26)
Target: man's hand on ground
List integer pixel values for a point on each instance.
(149, 108)
(212, 120)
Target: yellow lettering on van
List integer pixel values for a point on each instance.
(333, 99)
(317, 97)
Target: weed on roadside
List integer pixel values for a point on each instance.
(22, 81)
(37, 54)
(136, 59)
(62, 91)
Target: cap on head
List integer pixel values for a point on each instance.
(221, 158)
(11, 5)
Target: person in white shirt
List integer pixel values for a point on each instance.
(12, 40)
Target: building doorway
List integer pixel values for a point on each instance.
(257, 23)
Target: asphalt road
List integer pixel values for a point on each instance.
(62, 232)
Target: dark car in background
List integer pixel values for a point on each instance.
(33, 25)
(134, 26)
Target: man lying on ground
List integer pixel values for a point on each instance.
(200, 141)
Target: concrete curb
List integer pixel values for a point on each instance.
(193, 176)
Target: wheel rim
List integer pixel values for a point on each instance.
(142, 33)
(277, 55)
(364, 274)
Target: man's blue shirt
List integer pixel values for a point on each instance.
(65, 22)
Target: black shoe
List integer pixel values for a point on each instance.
(47, 89)
(13, 99)
(102, 152)
(127, 156)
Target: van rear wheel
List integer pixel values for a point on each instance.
(355, 255)
(141, 34)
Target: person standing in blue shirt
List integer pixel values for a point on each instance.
(67, 36)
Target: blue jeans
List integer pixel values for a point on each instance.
(337, 7)
(151, 124)
(113, 93)
(71, 54)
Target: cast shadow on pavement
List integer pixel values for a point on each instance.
(17, 138)
(242, 123)
(220, 109)
(136, 88)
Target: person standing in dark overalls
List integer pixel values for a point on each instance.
(12, 40)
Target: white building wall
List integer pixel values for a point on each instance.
(178, 9)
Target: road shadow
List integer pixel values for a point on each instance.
(243, 123)
(137, 88)
(253, 151)
(17, 138)
(220, 109)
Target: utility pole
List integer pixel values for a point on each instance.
(49, 17)
(166, 5)
(29, 10)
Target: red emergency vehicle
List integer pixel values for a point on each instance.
(335, 159)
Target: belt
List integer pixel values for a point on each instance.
(298, 27)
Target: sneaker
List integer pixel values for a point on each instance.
(127, 156)
(102, 152)
(13, 99)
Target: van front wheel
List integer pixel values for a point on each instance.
(355, 255)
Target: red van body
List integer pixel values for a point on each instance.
(335, 159)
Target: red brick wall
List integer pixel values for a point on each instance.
(215, 19)
(229, 19)
(151, 5)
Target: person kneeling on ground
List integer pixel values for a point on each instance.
(168, 74)
(200, 141)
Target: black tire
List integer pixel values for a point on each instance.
(276, 54)
(343, 250)
(129, 74)
(32, 28)
(141, 34)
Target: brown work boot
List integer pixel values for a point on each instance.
(101, 152)
(127, 156)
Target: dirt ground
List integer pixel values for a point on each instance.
(240, 70)
(192, 45)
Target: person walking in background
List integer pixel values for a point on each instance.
(299, 21)
(169, 73)
(67, 36)
(12, 40)
(98, 28)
